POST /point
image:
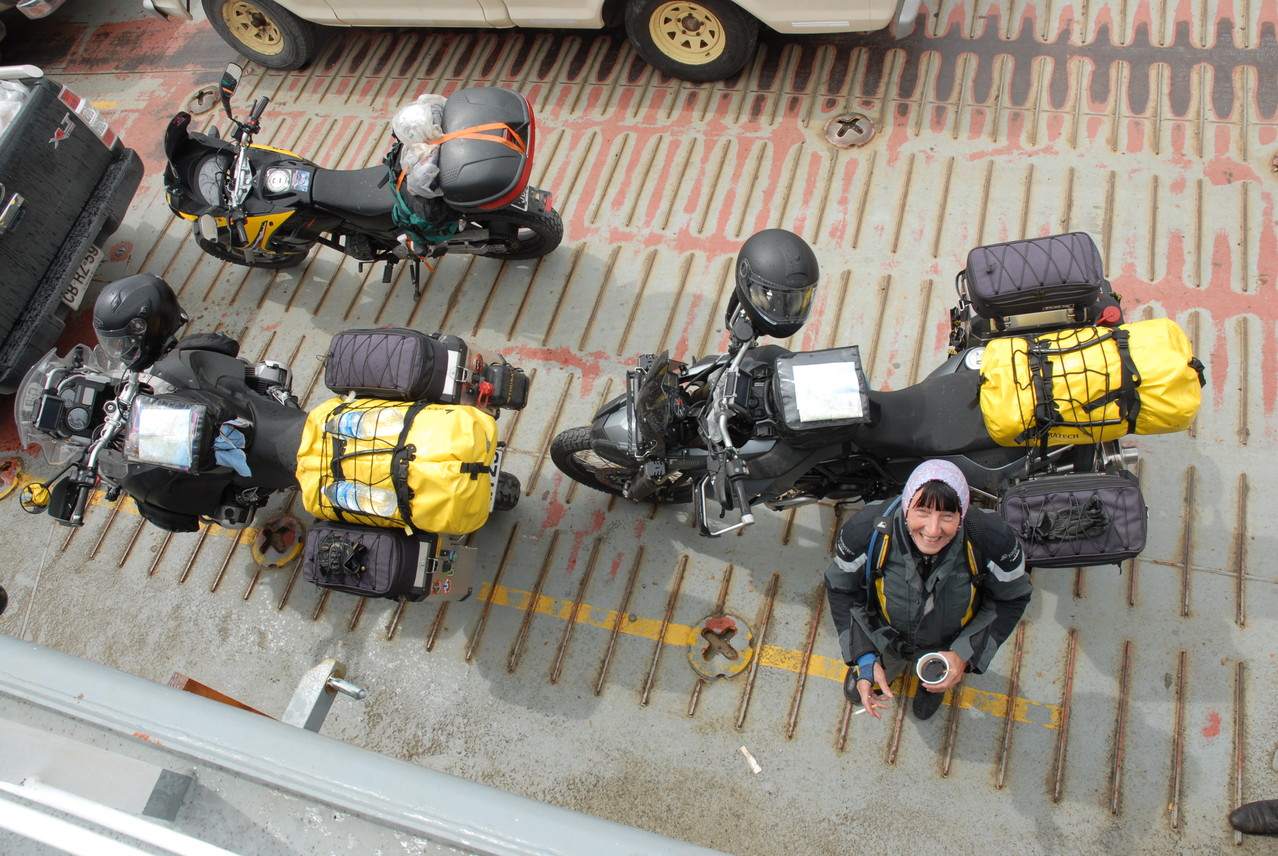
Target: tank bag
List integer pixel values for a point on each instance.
(411, 465)
(1090, 384)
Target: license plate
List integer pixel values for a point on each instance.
(74, 295)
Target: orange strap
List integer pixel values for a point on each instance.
(475, 133)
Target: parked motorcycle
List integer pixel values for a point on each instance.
(763, 425)
(194, 433)
(265, 207)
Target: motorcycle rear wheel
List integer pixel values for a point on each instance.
(536, 233)
(508, 492)
(259, 259)
(571, 452)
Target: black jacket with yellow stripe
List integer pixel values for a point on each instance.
(966, 599)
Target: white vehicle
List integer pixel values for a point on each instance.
(696, 40)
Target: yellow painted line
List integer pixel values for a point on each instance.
(995, 704)
(681, 635)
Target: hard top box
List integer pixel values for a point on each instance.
(66, 181)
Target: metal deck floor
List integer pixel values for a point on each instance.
(1129, 713)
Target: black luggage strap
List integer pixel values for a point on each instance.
(475, 470)
(1047, 412)
(335, 461)
(401, 458)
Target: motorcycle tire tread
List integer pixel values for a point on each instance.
(547, 226)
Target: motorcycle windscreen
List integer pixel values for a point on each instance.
(822, 389)
(654, 406)
(166, 434)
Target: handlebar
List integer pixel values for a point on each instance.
(256, 111)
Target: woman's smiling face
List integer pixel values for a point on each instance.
(931, 528)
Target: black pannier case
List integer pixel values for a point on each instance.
(1077, 519)
(368, 561)
(392, 363)
(1033, 275)
(481, 172)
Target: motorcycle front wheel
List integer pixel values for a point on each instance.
(534, 234)
(256, 259)
(572, 453)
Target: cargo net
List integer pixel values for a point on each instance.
(1077, 386)
(367, 480)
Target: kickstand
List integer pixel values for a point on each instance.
(415, 274)
(386, 273)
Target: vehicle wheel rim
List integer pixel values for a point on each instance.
(253, 28)
(687, 33)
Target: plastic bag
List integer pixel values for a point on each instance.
(420, 121)
(12, 94)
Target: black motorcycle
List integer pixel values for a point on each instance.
(188, 429)
(264, 207)
(764, 425)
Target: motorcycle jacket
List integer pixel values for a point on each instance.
(966, 599)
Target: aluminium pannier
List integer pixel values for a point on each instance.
(1090, 384)
(1077, 519)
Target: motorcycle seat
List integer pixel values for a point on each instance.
(362, 196)
(938, 416)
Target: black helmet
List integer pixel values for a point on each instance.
(135, 318)
(777, 275)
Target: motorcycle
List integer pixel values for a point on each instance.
(194, 433)
(726, 432)
(265, 207)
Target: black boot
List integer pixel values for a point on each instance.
(1256, 818)
(926, 703)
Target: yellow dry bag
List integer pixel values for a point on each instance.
(412, 465)
(1090, 384)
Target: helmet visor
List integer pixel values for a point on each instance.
(781, 305)
(124, 349)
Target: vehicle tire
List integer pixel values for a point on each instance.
(265, 32)
(537, 234)
(696, 40)
(571, 452)
(508, 492)
(270, 261)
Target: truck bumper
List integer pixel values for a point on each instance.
(42, 320)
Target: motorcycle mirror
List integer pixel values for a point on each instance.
(742, 330)
(207, 227)
(230, 81)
